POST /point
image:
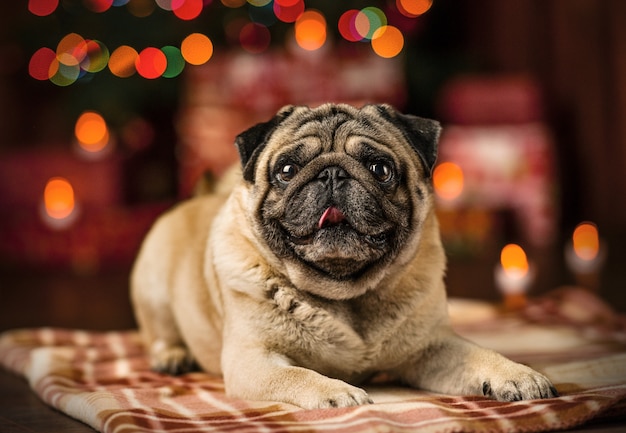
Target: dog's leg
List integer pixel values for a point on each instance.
(157, 324)
(255, 374)
(453, 365)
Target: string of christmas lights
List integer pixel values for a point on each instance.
(76, 56)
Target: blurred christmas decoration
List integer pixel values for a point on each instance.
(86, 198)
(253, 25)
(496, 143)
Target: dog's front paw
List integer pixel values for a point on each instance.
(333, 393)
(519, 382)
(170, 359)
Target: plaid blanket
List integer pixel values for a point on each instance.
(103, 379)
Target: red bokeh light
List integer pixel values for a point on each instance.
(151, 63)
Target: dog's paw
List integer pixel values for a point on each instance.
(172, 360)
(519, 383)
(334, 394)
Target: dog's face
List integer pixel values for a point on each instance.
(339, 193)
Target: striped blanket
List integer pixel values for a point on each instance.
(103, 379)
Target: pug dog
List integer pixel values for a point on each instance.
(321, 267)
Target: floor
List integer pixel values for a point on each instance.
(21, 411)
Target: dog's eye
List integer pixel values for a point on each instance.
(381, 171)
(287, 172)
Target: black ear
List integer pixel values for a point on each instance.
(251, 142)
(422, 134)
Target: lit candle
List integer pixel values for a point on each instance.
(448, 181)
(58, 209)
(585, 254)
(93, 140)
(513, 276)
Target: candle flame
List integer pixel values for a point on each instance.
(91, 132)
(514, 261)
(59, 198)
(448, 180)
(586, 242)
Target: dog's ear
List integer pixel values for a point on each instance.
(422, 134)
(251, 142)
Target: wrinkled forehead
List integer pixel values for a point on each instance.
(334, 128)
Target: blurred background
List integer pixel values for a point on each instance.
(111, 110)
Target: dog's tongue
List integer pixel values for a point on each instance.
(331, 216)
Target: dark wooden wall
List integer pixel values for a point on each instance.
(576, 49)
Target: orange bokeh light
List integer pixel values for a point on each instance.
(91, 132)
(387, 41)
(586, 241)
(197, 49)
(413, 8)
(72, 49)
(59, 198)
(513, 260)
(311, 30)
(122, 61)
(448, 180)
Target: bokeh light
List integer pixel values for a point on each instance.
(369, 20)
(98, 5)
(63, 75)
(387, 41)
(175, 61)
(76, 58)
(254, 38)
(311, 30)
(360, 25)
(96, 58)
(40, 63)
(413, 8)
(513, 260)
(165, 4)
(586, 241)
(197, 49)
(233, 3)
(42, 8)
(91, 132)
(448, 180)
(151, 63)
(259, 3)
(122, 61)
(187, 9)
(288, 11)
(141, 8)
(71, 49)
(58, 198)
(347, 26)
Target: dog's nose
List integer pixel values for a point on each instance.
(331, 175)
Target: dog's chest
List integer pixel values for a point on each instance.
(337, 339)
